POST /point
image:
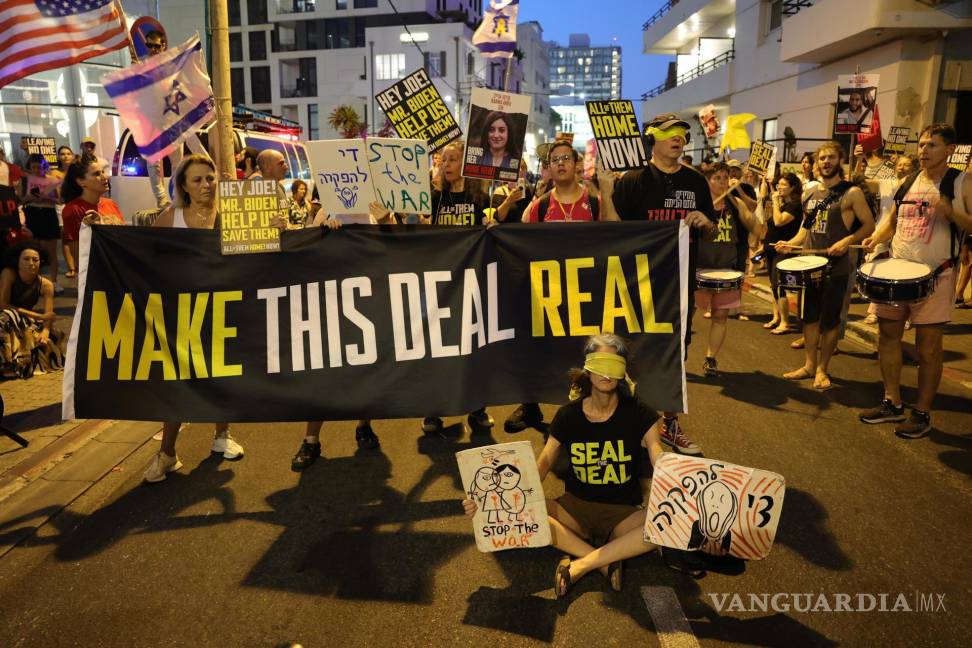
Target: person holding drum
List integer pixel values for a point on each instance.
(836, 216)
(925, 227)
(722, 260)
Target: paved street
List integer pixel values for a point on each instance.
(370, 549)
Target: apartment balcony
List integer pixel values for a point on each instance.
(709, 82)
(679, 22)
(833, 29)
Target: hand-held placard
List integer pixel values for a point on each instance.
(511, 510)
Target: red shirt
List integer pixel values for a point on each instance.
(579, 210)
(75, 210)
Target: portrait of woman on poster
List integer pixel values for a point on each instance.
(497, 141)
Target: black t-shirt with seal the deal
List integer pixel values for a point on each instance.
(605, 458)
(457, 208)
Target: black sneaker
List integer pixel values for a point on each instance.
(915, 427)
(886, 412)
(710, 367)
(431, 424)
(480, 421)
(524, 416)
(308, 454)
(366, 438)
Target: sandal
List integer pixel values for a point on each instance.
(822, 385)
(70, 274)
(798, 344)
(562, 582)
(616, 575)
(798, 374)
(771, 324)
(781, 330)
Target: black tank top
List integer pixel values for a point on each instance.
(24, 295)
(827, 227)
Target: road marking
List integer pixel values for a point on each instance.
(666, 613)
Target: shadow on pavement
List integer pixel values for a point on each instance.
(959, 459)
(38, 417)
(804, 530)
(767, 391)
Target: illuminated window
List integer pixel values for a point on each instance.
(389, 66)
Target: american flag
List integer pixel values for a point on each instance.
(38, 35)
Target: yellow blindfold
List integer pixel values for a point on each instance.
(662, 135)
(609, 365)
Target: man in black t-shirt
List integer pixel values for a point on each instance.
(669, 191)
(606, 432)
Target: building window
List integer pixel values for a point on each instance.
(470, 63)
(775, 15)
(340, 4)
(295, 6)
(389, 66)
(236, 86)
(435, 64)
(260, 84)
(258, 46)
(365, 4)
(298, 77)
(313, 132)
(236, 47)
(256, 12)
(769, 129)
(233, 7)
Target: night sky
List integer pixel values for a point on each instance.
(609, 22)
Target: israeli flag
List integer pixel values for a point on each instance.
(496, 35)
(163, 99)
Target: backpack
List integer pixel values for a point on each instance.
(946, 188)
(545, 205)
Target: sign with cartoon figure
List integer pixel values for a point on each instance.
(856, 98)
(496, 128)
(400, 169)
(713, 506)
(342, 174)
(511, 510)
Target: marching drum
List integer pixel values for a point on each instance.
(802, 271)
(718, 280)
(895, 281)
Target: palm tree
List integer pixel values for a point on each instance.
(345, 120)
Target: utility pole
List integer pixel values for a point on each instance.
(223, 151)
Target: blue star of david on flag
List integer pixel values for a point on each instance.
(172, 99)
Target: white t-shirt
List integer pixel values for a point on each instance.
(920, 234)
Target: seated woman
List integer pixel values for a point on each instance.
(29, 341)
(603, 491)
(194, 207)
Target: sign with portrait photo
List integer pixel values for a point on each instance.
(496, 130)
(709, 120)
(856, 99)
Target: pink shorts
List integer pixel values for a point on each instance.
(937, 309)
(718, 300)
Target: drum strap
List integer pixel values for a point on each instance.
(946, 188)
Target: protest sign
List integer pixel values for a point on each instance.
(960, 158)
(856, 99)
(367, 322)
(713, 506)
(9, 207)
(44, 146)
(620, 144)
(246, 208)
(884, 172)
(511, 509)
(710, 122)
(400, 170)
(761, 157)
(897, 140)
(416, 110)
(565, 137)
(342, 174)
(496, 128)
(43, 186)
(590, 158)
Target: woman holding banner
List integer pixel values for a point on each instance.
(194, 208)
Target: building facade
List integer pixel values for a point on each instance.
(779, 59)
(581, 72)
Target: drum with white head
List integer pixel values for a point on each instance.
(803, 271)
(718, 280)
(895, 281)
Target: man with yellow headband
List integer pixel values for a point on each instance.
(609, 435)
(667, 190)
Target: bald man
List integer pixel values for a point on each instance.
(271, 165)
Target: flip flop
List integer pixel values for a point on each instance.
(798, 344)
(822, 386)
(781, 331)
(562, 582)
(798, 374)
(769, 325)
(616, 575)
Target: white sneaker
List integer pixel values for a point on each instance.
(228, 447)
(58, 289)
(161, 464)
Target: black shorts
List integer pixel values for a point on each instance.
(597, 519)
(42, 222)
(825, 304)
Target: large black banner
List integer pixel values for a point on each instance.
(366, 322)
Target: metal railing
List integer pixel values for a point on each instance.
(793, 7)
(665, 8)
(694, 73)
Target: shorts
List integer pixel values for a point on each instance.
(937, 309)
(42, 222)
(718, 300)
(597, 518)
(826, 303)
